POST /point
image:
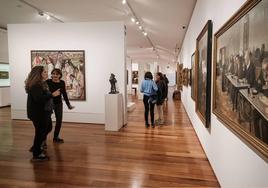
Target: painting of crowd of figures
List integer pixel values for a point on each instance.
(240, 96)
(72, 65)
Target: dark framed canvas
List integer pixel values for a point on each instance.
(203, 75)
(240, 74)
(193, 76)
(72, 65)
(179, 76)
(185, 77)
(127, 77)
(135, 77)
(189, 77)
(4, 75)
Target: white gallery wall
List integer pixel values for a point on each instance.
(234, 163)
(3, 46)
(4, 66)
(170, 70)
(104, 45)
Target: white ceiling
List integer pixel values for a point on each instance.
(162, 19)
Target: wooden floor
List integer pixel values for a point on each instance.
(168, 156)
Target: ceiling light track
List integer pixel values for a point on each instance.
(41, 12)
(135, 19)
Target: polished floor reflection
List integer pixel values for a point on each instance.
(167, 156)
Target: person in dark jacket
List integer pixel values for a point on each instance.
(249, 69)
(166, 89)
(39, 107)
(55, 84)
(161, 85)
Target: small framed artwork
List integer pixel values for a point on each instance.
(193, 76)
(185, 77)
(189, 77)
(135, 77)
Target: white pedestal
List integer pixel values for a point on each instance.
(113, 112)
(4, 96)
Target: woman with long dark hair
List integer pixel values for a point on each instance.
(39, 108)
(149, 89)
(161, 94)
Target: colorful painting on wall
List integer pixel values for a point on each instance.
(72, 65)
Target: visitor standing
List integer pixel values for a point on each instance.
(54, 84)
(39, 108)
(149, 89)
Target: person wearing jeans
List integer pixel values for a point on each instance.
(149, 89)
(54, 84)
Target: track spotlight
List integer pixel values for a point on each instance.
(133, 19)
(124, 2)
(41, 13)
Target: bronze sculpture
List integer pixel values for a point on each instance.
(113, 82)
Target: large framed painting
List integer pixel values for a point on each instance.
(193, 76)
(240, 74)
(72, 65)
(203, 75)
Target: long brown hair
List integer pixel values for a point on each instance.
(34, 78)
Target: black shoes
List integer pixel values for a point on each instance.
(43, 147)
(40, 157)
(58, 140)
(147, 125)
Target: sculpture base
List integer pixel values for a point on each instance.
(116, 92)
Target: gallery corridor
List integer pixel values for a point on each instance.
(167, 156)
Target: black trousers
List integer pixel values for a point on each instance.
(41, 126)
(148, 106)
(58, 115)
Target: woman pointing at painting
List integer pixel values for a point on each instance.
(54, 84)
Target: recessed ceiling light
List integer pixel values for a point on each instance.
(137, 22)
(140, 27)
(133, 19)
(124, 2)
(145, 34)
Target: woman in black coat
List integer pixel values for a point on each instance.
(39, 107)
(161, 95)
